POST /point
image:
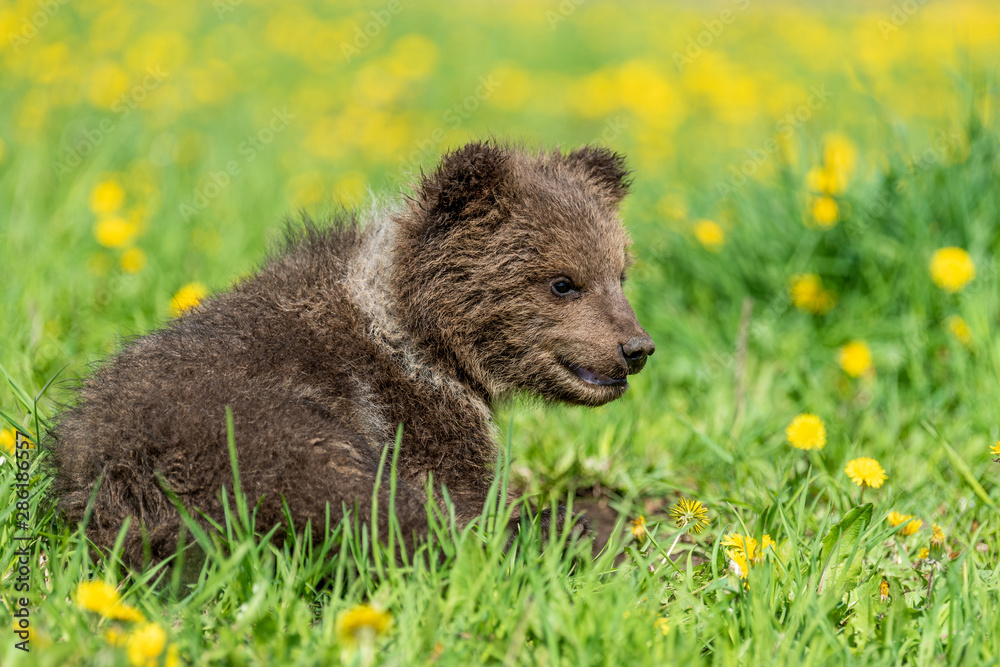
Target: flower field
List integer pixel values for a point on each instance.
(807, 470)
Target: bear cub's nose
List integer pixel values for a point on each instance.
(635, 351)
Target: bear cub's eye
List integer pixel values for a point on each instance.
(563, 287)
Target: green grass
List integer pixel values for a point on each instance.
(700, 421)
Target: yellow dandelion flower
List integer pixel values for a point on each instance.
(133, 260)
(995, 451)
(826, 181)
(855, 358)
(106, 198)
(186, 298)
(924, 554)
(959, 329)
(840, 155)
(738, 563)
(710, 235)
(866, 471)
(639, 528)
(806, 431)
(895, 518)
(744, 550)
(173, 657)
(115, 232)
(362, 623)
(825, 212)
(146, 644)
(8, 441)
(102, 597)
(96, 596)
(952, 269)
(937, 537)
(414, 56)
(807, 294)
(690, 513)
(116, 637)
(662, 624)
(912, 525)
(883, 591)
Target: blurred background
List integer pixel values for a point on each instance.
(149, 151)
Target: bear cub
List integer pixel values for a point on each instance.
(502, 275)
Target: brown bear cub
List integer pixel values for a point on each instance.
(502, 275)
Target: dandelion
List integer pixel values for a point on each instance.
(825, 212)
(952, 269)
(826, 181)
(639, 528)
(912, 525)
(102, 597)
(840, 155)
(959, 329)
(362, 624)
(995, 451)
(808, 295)
(173, 657)
(187, 298)
(690, 513)
(106, 198)
(865, 471)
(855, 358)
(133, 260)
(8, 440)
(115, 637)
(937, 536)
(744, 550)
(710, 235)
(662, 624)
(146, 644)
(806, 432)
(883, 591)
(115, 232)
(924, 554)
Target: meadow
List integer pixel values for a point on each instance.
(805, 472)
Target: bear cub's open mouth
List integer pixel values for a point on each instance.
(593, 377)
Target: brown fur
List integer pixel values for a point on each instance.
(425, 317)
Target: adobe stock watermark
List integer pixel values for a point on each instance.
(363, 35)
(89, 138)
(785, 128)
(613, 128)
(453, 118)
(714, 27)
(877, 208)
(223, 7)
(755, 328)
(559, 15)
(900, 15)
(30, 26)
(248, 149)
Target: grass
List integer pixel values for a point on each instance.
(737, 358)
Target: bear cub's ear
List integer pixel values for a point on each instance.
(604, 167)
(466, 184)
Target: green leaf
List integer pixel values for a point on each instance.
(841, 556)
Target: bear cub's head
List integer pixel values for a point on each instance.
(509, 269)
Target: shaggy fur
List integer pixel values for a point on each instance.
(502, 275)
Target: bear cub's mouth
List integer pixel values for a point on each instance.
(593, 377)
